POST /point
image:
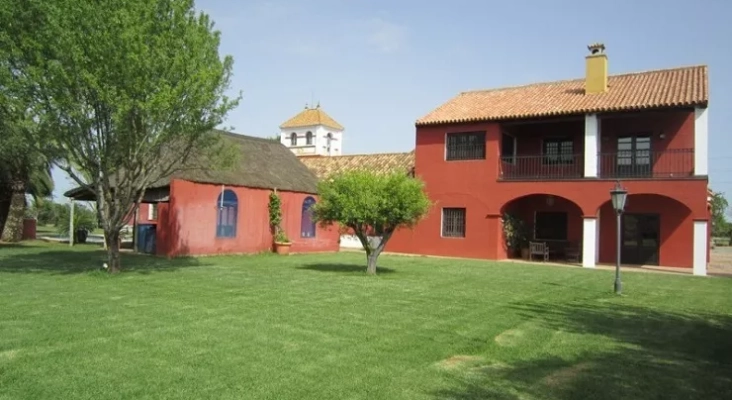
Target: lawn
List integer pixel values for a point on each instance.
(317, 327)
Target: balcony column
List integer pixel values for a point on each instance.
(589, 241)
(701, 142)
(699, 266)
(592, 144)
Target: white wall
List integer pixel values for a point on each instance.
(701, 141)
(319, 145)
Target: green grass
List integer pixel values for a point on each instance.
(316, 327)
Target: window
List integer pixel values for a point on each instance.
(227, 206)
(307, 223)
(465, 146)
(293, 139)
(508, 148)
(558, 151)
(550, 226)
(152, 211)
(453, 222)
(309, 138)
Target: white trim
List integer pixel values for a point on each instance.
(701, 142)
(592, 141)
(597, 239)
(149, 212)
(589, 242)
(700, 248)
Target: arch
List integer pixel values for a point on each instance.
(308, 138)
(227, 206)
(307, 222)
(655, 230)
(293, 139)
(549, 218)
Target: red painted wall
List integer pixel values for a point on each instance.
(475, 186)
(188, 225)
(677, 229)
(29, 229)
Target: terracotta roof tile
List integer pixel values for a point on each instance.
(312, 117)
(324, 167)
(687, 86)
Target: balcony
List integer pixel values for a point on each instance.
(644, 164)
(630, 164)
(542, 167)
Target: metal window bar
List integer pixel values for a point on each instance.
(465, 146)
(453, 222)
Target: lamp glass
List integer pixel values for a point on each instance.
(618, 196)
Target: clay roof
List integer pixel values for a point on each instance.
(311, 117)
(324, 167)
(677, 87)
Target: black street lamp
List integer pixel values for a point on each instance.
(618, 196)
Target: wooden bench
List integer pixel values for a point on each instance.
(540, 249)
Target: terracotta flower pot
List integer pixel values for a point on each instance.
(282, 248)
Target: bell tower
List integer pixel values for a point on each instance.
(312, 132)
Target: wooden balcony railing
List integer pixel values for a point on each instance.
(675, 163)
(544, 167)
(637, 164)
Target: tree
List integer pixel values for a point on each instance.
(372, 205)
(720, 226)
(126, 93)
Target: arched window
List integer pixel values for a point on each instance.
(228, 207)
(309, 138)
(307, 223)
(293, 139)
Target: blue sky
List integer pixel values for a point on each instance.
(377, 66)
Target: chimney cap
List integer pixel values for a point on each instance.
(596, 48)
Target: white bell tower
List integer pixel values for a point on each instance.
(312, 132)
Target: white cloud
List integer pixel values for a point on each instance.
(385, 36)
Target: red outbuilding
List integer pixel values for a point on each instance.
(545, 156)
(205, 211)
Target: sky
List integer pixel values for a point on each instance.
(377, 66)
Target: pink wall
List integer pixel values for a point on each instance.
(190, 222)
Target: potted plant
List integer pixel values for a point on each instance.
(281, 241)
(514, 230)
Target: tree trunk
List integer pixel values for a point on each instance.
(371, 258)
(13, 229)
(113, 259)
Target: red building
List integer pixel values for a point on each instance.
(208, 211)
(548, 154)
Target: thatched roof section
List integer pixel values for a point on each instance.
(262, 164)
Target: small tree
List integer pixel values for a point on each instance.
(275, 218)
(371, 204)
(720, 226)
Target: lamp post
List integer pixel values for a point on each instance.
(618, 196)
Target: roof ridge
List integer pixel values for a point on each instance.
(649, 71)
(372, 154)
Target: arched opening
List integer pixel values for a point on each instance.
(542, 221)
(309, 138)
(293, 139)
(307, 223)
(654, 229)
(227, 210)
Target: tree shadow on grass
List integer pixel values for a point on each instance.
(343, 268)
(654, 355)
(56, 261)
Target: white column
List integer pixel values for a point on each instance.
(592, 140)
(589, 242)
(700, 248)
(701, 141)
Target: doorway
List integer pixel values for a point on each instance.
(634, 156)
(641, 239)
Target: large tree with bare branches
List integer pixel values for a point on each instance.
(124, 92)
